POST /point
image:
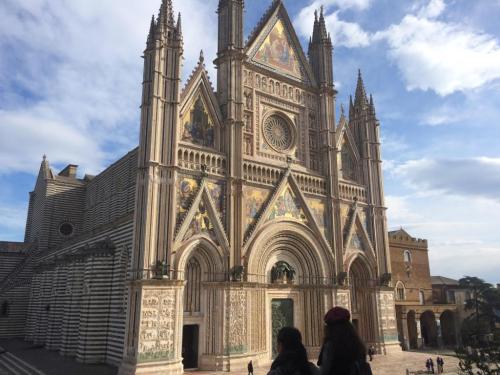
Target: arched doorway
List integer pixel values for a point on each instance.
(429, 328)
(362, 301)
(447, 319)
(198, 263)
(297, 269)
(412, 330)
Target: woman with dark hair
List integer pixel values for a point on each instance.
(343, 352)
(292, 355)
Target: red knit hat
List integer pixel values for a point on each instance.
(337, 314)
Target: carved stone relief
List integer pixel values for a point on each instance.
(157, 328)
(237, 341)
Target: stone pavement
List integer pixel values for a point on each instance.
(51, 363)
(392, 364)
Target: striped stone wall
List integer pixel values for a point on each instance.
(77, 303)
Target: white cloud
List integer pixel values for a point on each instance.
(461, 236)
(433, 9)
(71, 73)
(477, 177)
(347, 34)
(441, 56)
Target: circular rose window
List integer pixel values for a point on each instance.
(66, 229)
(278, 133)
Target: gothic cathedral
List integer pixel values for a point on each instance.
(243, 210)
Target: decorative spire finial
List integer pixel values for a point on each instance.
(202, 58)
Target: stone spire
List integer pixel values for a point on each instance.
(320, 51)
(360, 98)
(178, 28)
(322, 26)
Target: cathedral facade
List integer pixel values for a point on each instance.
(243, 210)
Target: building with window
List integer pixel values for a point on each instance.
(428, 312)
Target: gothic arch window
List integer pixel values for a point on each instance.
(421, 297)
(192, 291)
(348, 163)
(400, 291)
(407, 257)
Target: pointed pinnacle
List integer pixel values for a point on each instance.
(179, 25)
(360, 96)
(44, 157)
(342, 112)
(202, 58)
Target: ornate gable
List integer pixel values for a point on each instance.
(274, 45)
(288, 203)
(203, 217)
(200, 116)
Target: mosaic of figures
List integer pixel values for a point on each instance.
(216, 190)
(356, 241)
(198, 127)
(276, 52)
(187, 189)
(255, 199)
(287, 205)
(156, 338)
(201, 224)
(318, 209)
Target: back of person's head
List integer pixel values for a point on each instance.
(341, 334)
(290, 340)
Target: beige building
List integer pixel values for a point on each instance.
(241, 211)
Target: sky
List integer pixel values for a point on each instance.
(70, 87)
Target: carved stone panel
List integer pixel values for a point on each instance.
(387, 311)
(237, 322)
(157, 327)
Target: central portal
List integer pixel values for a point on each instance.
(281, 316)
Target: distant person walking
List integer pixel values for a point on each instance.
(343, 352)
(431, 362)
(428, 365)
(292, 355)
(371, 352)
(250, 368)
(440, 365)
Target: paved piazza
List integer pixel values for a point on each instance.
(394, 363)
(28, 358)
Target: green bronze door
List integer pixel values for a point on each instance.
(281, 316)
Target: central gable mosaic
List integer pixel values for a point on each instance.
(276, 52)
(287, 205)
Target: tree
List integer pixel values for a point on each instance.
(482, 356)
(483, 302)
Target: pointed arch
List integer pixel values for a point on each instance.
(294, 243)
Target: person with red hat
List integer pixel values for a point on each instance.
(343, 351)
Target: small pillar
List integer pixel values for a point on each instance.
(420, 342)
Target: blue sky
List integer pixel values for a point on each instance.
(70, 86)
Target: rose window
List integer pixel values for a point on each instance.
(278, 133)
